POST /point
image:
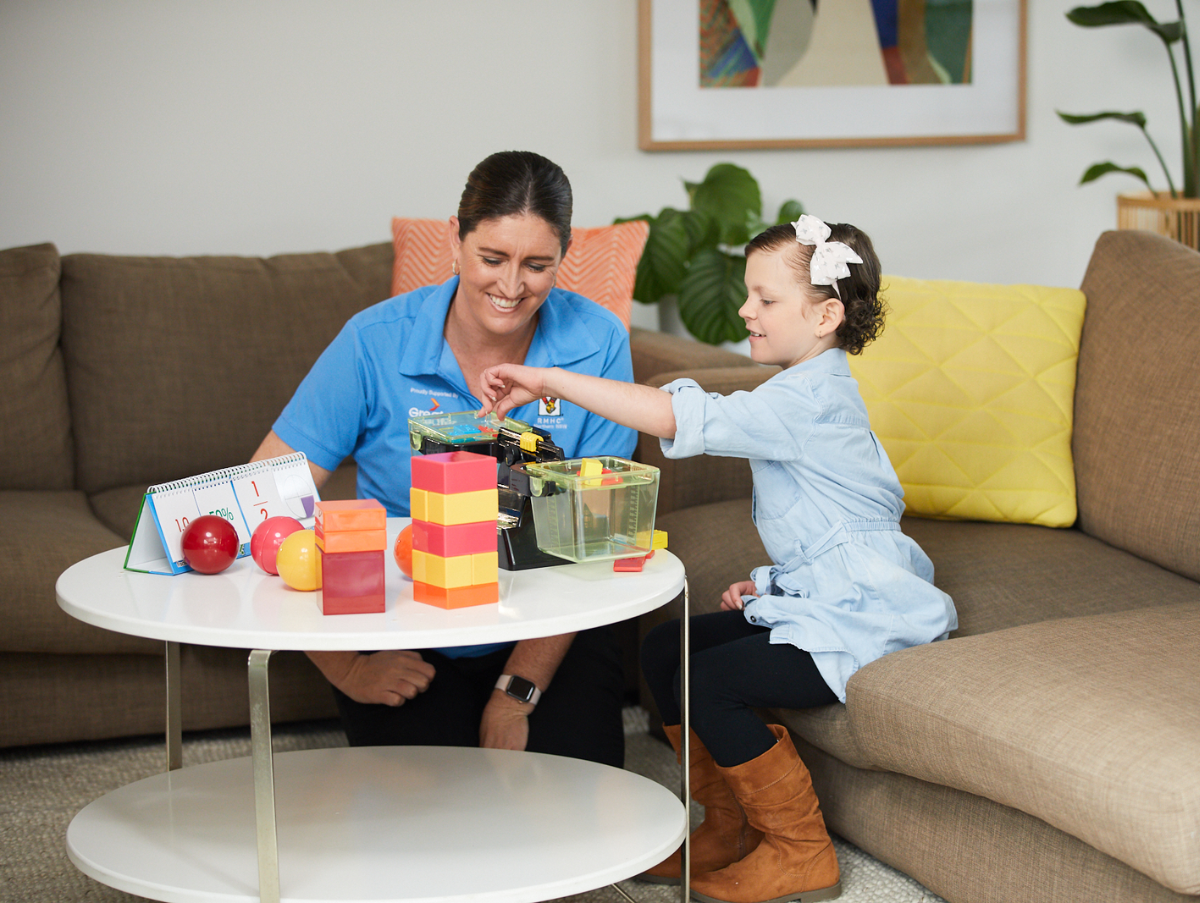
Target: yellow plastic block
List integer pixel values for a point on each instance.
(447, 573)
(459, 507)
(485, 567)
(418, 502)
(660, 540)
(456, 571)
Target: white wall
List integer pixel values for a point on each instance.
(268, 126)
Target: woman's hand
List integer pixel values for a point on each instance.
(389, 677)
(505, 723)
(731, 599)
(508, 386)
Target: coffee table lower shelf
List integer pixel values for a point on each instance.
(397, 824)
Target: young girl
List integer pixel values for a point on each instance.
(845, 586)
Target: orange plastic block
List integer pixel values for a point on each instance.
(455, 508)
(459, 597)
(350, 514)
(459, 571)
(352, 540)
(451, 472)
(352, 583)
(460, 539)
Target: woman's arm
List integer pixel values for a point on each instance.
(272, 447)
(643, 408)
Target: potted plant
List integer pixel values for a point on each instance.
(1177, 212)
(697, 255)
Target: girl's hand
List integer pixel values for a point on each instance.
(731, 599)
(508, 386)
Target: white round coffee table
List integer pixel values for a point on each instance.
(396, 823)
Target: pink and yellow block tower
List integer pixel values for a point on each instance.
(454, 504)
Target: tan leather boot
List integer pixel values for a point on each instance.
(796, 860)
(724, 837)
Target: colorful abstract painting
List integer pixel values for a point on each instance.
(797, 43)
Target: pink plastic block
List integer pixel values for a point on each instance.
(451, 541)
(452, 472)
(351, 582)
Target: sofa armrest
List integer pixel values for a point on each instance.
(702, 479)
(660, 352)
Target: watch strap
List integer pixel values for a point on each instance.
(519, 688)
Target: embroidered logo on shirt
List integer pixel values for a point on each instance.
(549, 406)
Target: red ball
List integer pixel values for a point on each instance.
(210, 544)
(268, 537)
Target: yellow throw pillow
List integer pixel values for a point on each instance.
(971, 390)
(601, 263)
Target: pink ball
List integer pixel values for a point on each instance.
(268, 537)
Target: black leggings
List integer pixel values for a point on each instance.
(579, 715)
(734, 668)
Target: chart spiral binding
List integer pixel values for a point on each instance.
(227, 474)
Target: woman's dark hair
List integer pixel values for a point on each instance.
(510, 183)
(859, 291)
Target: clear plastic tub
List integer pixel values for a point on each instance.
(462, 428)
(594, 509)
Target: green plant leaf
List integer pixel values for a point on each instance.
(1135, 118)
(663, 263)
(732, 197)
(703, 230)
(710, 296)
(1103, 169)
(789, 212)
(1124, 12)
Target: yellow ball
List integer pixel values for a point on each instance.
(298, 563)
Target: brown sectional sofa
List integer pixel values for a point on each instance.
(1048, 751)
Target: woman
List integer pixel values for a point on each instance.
(425, 351)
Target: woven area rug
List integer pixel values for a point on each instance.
(41, 789)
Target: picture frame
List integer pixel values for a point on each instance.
(676, 113)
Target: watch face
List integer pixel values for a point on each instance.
(520, 688)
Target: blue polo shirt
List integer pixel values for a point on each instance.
(391, 362)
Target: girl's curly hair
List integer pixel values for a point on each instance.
(864, 308)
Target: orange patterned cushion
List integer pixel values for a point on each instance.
(601, 264)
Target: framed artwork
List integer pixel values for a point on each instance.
(829, 73)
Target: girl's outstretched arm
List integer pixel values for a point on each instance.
(643, 408)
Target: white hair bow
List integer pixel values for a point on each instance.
(830, 259)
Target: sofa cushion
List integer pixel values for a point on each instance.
(1005, 575)
(1137, 402)
(601, 263)
(188, 390)
(1087, 723)
(42, 534)
(969, 389)
(35, 443)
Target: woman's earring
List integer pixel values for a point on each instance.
(454, 267)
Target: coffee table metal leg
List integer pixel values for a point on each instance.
(264, 777)
(685, 746)
(174, 709)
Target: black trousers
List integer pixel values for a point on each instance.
(734, 668)
(579, 714)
